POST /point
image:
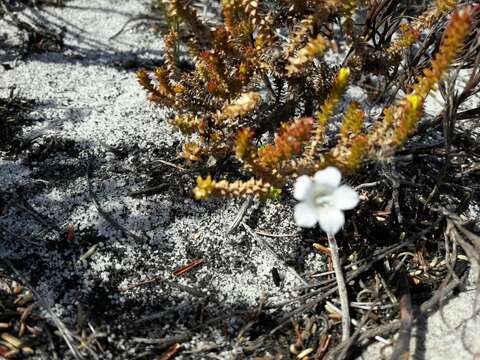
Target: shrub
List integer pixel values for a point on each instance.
(259, 76)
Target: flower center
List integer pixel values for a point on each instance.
(322, 198)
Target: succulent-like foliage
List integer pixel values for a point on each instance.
(240, 107)
(208, 187)
(255, 86)
(327, 109)
(457, 30)
(306, 55)
(352, 123)
(410, 33)
(401, 118)
(267, 162)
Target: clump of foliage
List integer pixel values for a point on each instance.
(13, 113)
(255, 86)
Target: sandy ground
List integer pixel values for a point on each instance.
(90, 113)
(449, 334)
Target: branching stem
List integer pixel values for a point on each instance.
(342, 288)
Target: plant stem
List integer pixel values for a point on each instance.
(342, 288)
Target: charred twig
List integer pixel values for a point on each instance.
(308, 305)
(264, 244)
(356, 323)
(343, 351)
(141, 283)
(471, 242)
(149, 190)
(393, 177)
(106, 215)
(188, 289)
(135, 18)
(470, 170)
(250, 322)
(401, 349)
(240, 215)
(166, 342)
(40, 218)
(359, 268)
(449, 120)
(16, 236)
(439, 294)
(159, 315)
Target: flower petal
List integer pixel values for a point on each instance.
(302, 187)
(344, 198)
(305, 214)
(329, 176)
(331, 219)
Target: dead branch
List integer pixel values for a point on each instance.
(105, 214)
(264, 244)
(401, 349)
(240, 215)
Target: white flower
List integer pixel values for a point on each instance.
(153, 79)
(323, 199)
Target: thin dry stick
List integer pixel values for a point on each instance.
(135, 18)
(164, 162)
(267, 247)
(401, 349)
(368, 185)
(22, 204)
(240, 215)
(264, 233)
(141, 283)
(342, 287)
(357, 324)
(351, 341)
(114, 223)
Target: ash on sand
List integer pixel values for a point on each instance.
(89, 112)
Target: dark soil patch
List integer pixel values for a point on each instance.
(14, 112)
